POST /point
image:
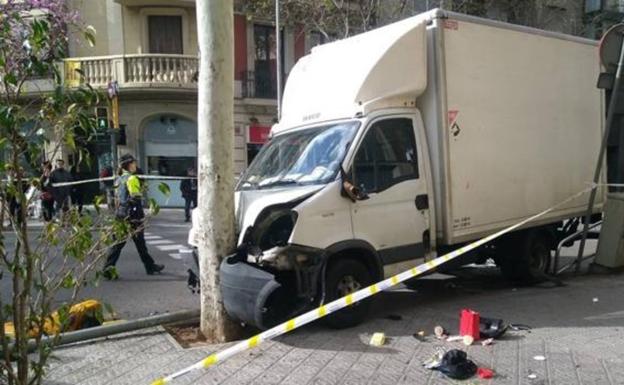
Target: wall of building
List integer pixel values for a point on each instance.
(92, 13)
(135, 27)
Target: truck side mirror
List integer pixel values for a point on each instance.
(353, 192)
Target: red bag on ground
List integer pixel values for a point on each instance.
(485, 373)
(469, 324)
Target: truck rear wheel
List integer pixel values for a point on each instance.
(526, 257)
(346, 276)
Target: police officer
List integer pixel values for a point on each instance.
(130, 208)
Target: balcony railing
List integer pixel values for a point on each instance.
(137, 70)
(258, 85)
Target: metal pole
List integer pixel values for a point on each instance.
(610, 117)
(113, 136)
(278, 56)
(113, 328)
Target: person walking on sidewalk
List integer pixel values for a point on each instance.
(47, 199)
(77, 190)
(130, 208)
(60, 193)
(189, 192)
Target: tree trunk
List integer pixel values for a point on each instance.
(215, 120)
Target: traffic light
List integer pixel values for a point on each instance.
(101, 114)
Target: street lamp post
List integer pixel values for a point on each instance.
(278, 56)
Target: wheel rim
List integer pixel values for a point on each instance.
(347, 285)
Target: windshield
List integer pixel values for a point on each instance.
(310, 156)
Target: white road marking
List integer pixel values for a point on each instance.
(169, 247)
(176, 256)
(152, 237)
(159, 242)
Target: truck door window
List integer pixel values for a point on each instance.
(386, 156)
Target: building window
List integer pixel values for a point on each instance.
(165, 34)
(265, 76)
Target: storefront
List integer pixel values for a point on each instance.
(169, 149)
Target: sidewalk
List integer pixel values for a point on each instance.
(578, 328)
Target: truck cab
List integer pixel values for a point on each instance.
(339, 196)
(328, 208)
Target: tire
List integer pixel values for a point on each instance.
(526, 257)
(345, 276)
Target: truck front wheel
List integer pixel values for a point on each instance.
(525, 257)
(346, 276)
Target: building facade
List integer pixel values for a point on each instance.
(149, 47)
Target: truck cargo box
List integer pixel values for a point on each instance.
(514, 121)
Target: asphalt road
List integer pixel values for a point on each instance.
(137, 294)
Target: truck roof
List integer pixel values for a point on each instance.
(385, 67)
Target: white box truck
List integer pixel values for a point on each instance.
(405, 142)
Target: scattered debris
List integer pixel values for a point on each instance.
(456, 365)
(532, 376)
(539, 358)
(487, 342)
(491, 327)
(519, 327)
(435, 360)
(420, 336)
(469, 324)
(439, 332)
(378, 339)
(454, 338)
(468, 340)
(595, 300)
(394, 317)
(485, 373)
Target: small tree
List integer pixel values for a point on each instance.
(334, 19)
(338, 19)
(40, 264)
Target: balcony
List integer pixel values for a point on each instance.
(258, 85)
(138, 71)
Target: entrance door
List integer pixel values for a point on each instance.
(386, 167)
(170, 150)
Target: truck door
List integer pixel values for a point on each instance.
(388, 166)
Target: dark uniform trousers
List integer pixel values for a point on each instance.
(138, 237)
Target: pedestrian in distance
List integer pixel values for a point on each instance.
(188, 187)
(129, 208)
(106, 187)
(77, 190)
(61, 194)
(47, 199)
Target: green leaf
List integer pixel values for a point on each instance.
(164, 189)
(109, 309)
(10, 79)
(70, 141)
(68, 282)
(153, 206)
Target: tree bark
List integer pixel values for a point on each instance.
(215, 120)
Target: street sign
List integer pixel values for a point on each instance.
(113, 89)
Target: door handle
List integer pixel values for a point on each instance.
(422, 202)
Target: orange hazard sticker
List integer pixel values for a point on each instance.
(452, 116)
(451, 24)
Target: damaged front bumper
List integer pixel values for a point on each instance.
(264, 296)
